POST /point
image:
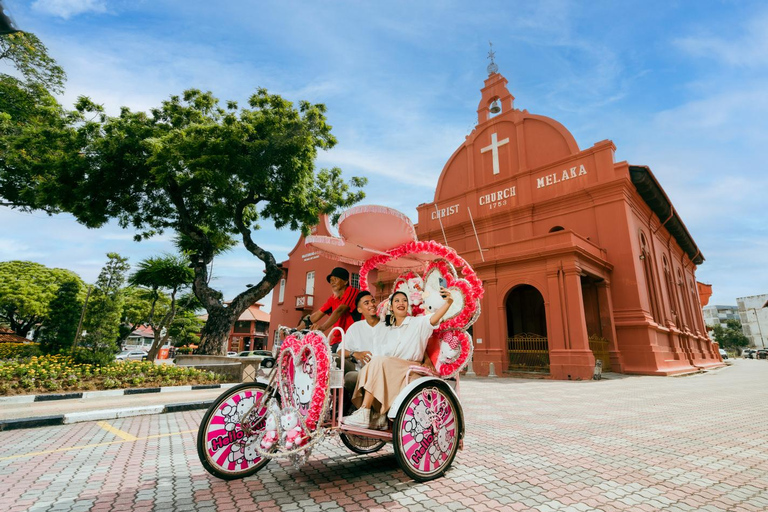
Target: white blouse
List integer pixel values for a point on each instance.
(407, 341)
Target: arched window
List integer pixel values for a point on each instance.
(671, 295)
(650, 279)
(556, 228)
(696, 306)
(688, 320)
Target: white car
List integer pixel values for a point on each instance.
(723, 353)
(133, 355)
(231, 354)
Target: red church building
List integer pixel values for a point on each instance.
(582, 257)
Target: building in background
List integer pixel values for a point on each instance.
(753, 311)
(251, 330)
(582, 258)
(719, 315)
(303, 288)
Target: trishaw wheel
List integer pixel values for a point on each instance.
(360, 444)
(224, 449)
(427, 430)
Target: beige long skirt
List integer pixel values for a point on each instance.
(384, 377)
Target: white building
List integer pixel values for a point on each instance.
(753, 312)
(719, 315)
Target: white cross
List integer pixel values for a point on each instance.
(494, 149)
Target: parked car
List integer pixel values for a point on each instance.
(255, 353)
(748, 353)
(723, 354)
(133, 355)
(231, 354)
(761, 354)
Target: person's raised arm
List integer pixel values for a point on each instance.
(438, 315)
(331, 319)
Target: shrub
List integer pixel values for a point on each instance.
(58, 372)
(95, 358)
(19, 350)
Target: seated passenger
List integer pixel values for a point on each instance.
(359, 344)
(405, 340)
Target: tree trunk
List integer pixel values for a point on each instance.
(215, 335)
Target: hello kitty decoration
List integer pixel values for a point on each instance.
(304, 364)
(271, 431)
(293, 432)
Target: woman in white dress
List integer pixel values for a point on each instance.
(404, 339)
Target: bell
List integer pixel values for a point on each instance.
(495, 108)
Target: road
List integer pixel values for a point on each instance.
(627, 443)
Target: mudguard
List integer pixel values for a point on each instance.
(407, 389)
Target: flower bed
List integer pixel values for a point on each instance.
(56, 373)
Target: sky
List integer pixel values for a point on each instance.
(679, 86)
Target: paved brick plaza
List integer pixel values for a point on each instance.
(629, 443)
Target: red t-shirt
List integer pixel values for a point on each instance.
(345, 320)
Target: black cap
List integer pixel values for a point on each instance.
(339, 272)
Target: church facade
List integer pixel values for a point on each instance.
(582, 258)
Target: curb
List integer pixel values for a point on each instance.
(26, 399)
(105, 414)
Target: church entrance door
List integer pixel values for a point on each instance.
(527, 344)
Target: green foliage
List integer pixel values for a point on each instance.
(57, 372)
(186, 327)
(105, 307)
(26, 291)
(93, 357)
(19, 350)
(36, 133)
(208, 173)
(64, 315)
(730, 336)
(29, 56)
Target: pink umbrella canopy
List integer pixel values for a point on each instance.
(367, 231)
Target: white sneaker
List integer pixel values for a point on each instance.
(359, 418)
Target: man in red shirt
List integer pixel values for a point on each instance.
(338, 307)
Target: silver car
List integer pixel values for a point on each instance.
(133, 355)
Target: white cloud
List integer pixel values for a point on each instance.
(69, 8)
(747, 46)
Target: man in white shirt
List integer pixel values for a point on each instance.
(359, 342)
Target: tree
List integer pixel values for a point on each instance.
(28, 55)
(730, 336)
(63, 318)
(26, 291)
(169, 273)
(137, 304)
(102, 320)
(36, 133)
(208, 173)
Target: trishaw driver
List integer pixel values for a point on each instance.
(338, 307)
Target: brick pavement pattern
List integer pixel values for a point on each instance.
(627, 443)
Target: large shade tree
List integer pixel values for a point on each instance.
(26, 291)
(209, 173)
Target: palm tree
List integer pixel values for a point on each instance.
(167, 273)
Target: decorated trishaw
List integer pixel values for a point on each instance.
(302, 403)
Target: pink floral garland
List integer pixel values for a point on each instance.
(471, 286)
(452, 336)
(294, 346)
